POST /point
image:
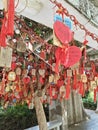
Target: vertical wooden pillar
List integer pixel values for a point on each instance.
(64, 115)
(97, 104)
(77, 104)
(70, 110)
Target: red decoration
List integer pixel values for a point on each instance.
(67, 89)
(74, 20)
(62, 32)
(73, 55)
(60, 83)
(75, 81)
(42, 54)
(13, 66)
(3, 34)
(10, 24)
(81, 88)
(60, 55)
(26, 79)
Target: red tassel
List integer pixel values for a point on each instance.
(57, 55)
(10, 24)
(81, 88)
(68, 89)
(3, 34)
(95, 95)
(93, 67)
(41, 80)
(50, 91)
(57, 67)
(42, 55)
(3, 84)
(75, 81)
(60, 55)
(85, 55)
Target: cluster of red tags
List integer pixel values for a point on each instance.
(70, 57)
(19, 84)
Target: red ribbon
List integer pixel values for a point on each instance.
(75, 81)
(80, 87)
(3, 33)
(10, 24)
(68, 89)
(60, 55)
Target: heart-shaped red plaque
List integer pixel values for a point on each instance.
(73, 55)
(62, 32)
(26, 79)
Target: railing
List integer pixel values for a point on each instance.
(86, 7)
(56, 124)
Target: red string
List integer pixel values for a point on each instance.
(68, 89)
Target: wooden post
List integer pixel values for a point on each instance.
(70, 110)
(64, 115)
(77, 107)
(97, 104)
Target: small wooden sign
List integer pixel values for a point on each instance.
(96, 79)
(69, 73)
(42, 72)
(5, 57)
(51, 78)
(11, 76)
(93, 85)
(18, 71)
(21, 46)
(84, 78)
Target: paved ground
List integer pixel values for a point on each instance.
(90, 124)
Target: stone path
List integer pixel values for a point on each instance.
(90, 124)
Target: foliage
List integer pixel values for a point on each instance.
(88, 101)
(18, 118)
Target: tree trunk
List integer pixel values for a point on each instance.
(40, 114)
(64, 115)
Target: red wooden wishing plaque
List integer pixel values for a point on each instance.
(62, 32)
(73, 55)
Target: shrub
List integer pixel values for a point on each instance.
(88, 101)
(18, 118)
